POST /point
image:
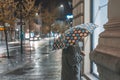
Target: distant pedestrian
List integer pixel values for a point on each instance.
(22, 36)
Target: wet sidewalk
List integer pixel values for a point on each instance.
(41, 67)
(16, 60)
(12, 46)
(40, 64)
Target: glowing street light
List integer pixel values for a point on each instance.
(36, 14)
(69, 16)
(61, 5)
(61, 9)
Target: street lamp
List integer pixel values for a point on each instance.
(17, 34)
(61, 9)
(61, 5)
(36, 14)
(20, 6)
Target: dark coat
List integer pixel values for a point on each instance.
(71, 59)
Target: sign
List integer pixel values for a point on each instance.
(2, 29)
(20, 23)
(69, 16)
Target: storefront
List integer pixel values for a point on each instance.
(99, 17)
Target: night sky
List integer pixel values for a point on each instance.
(56, 3)
(37, 2)
(45, 4)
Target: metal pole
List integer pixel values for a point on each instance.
(29, 36)
(6, 40)
(5, 36)
(21, 35)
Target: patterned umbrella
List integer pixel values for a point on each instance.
(73, 35)
(59, 43)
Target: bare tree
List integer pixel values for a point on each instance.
(48, 18)
(58, 27)
(29, 11)
(25, 11)
(7, 8)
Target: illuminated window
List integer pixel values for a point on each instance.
(99, 17)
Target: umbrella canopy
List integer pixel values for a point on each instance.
(58, 43)
(73, 35)
(88, 26)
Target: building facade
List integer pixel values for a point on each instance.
(107, 53)
(78, 12)
(102, 13)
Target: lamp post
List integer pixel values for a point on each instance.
(61, 8)
(6, 39)
(20, 6)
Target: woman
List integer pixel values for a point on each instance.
(71, 59)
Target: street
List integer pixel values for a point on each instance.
(40, 64)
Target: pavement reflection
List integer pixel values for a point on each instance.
(42, 65)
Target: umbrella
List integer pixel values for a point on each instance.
(59, 43)
(73, 35)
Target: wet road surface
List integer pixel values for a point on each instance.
(43, 65)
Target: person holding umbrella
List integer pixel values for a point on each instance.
(71, 59)
(71, 43)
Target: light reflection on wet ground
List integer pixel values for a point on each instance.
(44, 65)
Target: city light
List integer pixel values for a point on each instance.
(61, 5)
(36, 14)
(2, 28)
(69, 16)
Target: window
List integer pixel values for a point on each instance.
(99, 17)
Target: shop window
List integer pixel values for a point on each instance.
(99, 17)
